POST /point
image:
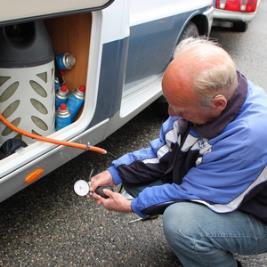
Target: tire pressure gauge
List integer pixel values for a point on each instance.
(81, 188)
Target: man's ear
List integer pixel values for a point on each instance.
(219, 102)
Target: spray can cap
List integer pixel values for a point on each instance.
(63, 110)
(64, 88)
(82, 88)
(63, 107)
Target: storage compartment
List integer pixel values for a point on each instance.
(68, 34)
(72, 34)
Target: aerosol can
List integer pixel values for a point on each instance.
(62, 95)
(63, 117)
(75, 101)
(59, 79)
(57, 84)
(65, 61)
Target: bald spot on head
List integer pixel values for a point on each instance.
(189, 64)
(199, 81)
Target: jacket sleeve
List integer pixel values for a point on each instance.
(220, 181)
(144, 165)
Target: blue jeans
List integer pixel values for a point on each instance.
(200, 237)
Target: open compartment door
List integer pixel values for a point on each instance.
(16, 10)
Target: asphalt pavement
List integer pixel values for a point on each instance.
(48, 225)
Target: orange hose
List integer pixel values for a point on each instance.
(51, 140)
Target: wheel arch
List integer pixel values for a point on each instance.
(200, 20)
(202, 24)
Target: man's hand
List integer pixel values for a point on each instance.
(115, 201)
(103, 178)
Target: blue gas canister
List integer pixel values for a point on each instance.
(59, 77)
(63, 117)
(62, 95)
(57, 84)
(75, 101)
(65, 61)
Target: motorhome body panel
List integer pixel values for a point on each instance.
(15, 181)
(152, 43)
(144, 53)
(17, 10)
(112, 99)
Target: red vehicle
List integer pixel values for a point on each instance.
(238, 12)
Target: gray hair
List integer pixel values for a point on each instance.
(219, 77)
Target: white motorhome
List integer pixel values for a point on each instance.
(121, 48)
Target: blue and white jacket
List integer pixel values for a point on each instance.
(221, 164)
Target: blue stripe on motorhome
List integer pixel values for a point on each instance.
(111, 79)
(151, 45)
(139, 56)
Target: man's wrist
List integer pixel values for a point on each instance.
(129, 206)
(114, 174)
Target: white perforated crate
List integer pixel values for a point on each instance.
(27, 99)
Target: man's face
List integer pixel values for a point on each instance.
(183, 100)
(189, 109)
(179, 88)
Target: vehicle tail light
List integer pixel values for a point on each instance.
(237, 5)
(251, 5)
(233, 5)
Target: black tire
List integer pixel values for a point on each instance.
(191, 30)
(160, 106)
(240, 26)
